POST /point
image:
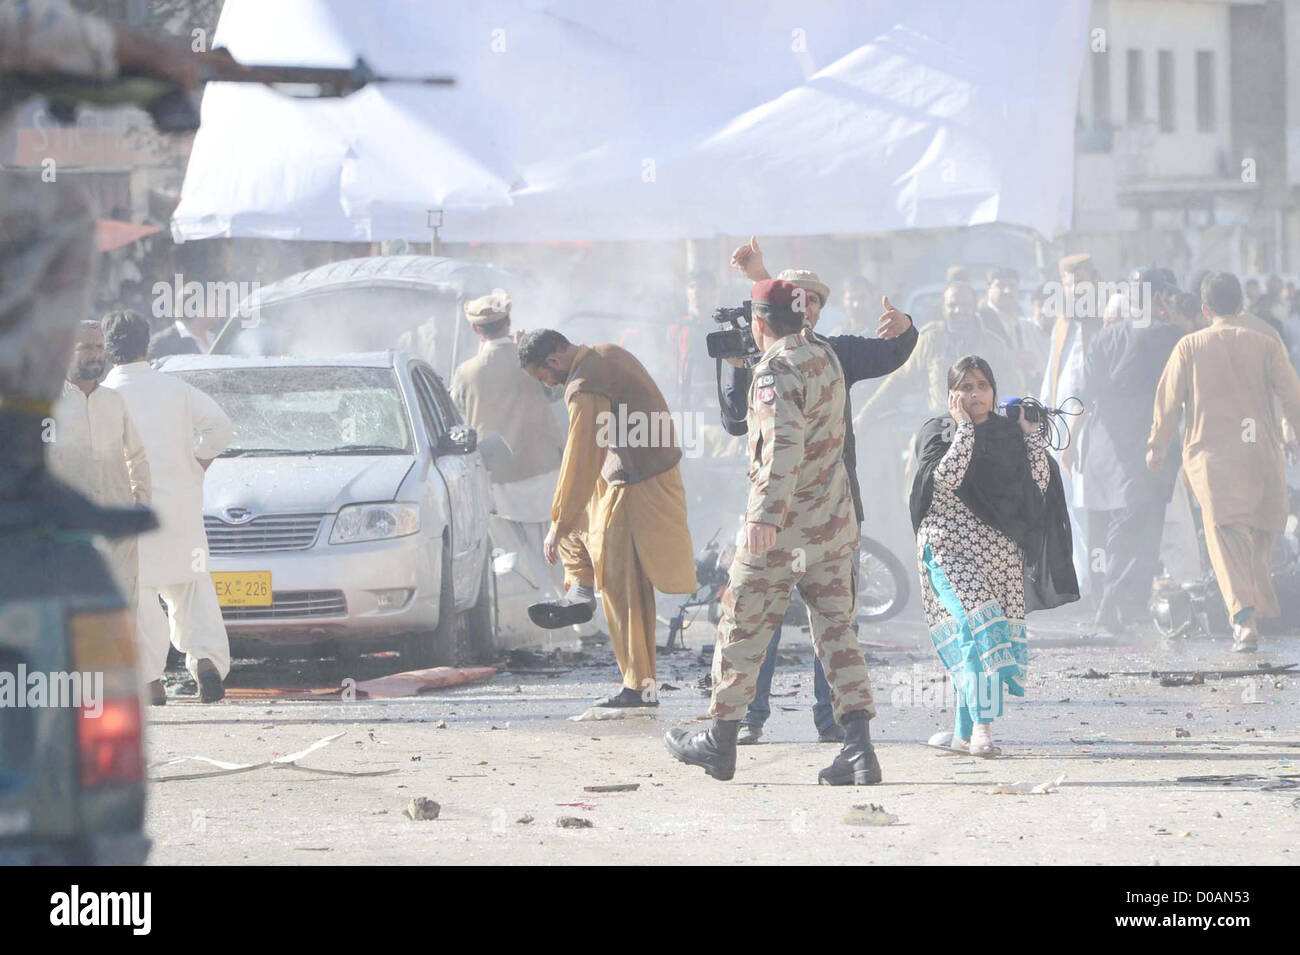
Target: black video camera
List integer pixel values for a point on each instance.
(1013, 408)
(736, 341)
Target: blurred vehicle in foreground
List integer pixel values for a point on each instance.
(72, 785)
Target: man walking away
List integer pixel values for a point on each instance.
(182, 430)
(1226, 378)
(1121, 371)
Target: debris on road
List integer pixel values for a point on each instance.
(1196, 679)
(422, 808)
(577, 805)
(612, 713)
(1180, 733)
(869, 814)
(416, 682)
(1023, 788)
(280, 762)
(574, 822)
(1251, 780)
(613, 788)
(525, 819)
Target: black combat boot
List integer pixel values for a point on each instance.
(714, 748)
(856, 763)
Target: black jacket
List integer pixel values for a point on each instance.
(1121, 372)
(862, 358)
(1000, 491)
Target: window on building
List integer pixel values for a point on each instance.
(1165, 90)
(1137, 100)
(1100, 90)
(1206, 117)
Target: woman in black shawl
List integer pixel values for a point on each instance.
(977, 507)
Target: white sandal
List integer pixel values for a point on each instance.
(981, 743)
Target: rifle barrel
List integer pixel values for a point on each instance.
(338, 80)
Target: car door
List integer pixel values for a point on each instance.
(467, 490)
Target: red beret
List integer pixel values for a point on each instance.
(774, 292)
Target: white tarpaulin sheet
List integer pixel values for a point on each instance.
(590, 119)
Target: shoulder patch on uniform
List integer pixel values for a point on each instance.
(763, 380)
(767, 394)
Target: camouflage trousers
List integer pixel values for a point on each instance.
(757, 595)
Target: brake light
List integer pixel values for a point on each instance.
(111, 743)
(109, 734)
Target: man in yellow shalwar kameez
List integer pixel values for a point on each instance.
(620, 478)
(1227, 378)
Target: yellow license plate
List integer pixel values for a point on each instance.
(245, 588)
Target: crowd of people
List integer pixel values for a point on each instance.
(1175, 413)
(1139, 388)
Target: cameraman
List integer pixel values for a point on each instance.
(861, 358)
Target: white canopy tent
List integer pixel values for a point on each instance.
(581, 120)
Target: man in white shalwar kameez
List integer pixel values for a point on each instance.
(97, 450)
(182, 430)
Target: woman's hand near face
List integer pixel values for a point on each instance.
(957, 406)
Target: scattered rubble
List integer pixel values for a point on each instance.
(422, 808)
(1196, 679)
(869, 814)
(574, 822)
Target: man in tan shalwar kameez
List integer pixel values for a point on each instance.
(514, 415)
(1227, 377)
(620, 478)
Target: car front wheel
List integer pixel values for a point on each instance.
(477, 637)
(437, 647)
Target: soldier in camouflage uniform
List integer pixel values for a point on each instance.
(800, 531)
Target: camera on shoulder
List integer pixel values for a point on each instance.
(736, 341)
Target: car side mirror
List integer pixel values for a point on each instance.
(459, 439)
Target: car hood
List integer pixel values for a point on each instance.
(302, 483)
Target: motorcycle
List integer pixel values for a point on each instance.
(884, 587)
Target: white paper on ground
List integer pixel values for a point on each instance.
(1023, 788)
(612, 713)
